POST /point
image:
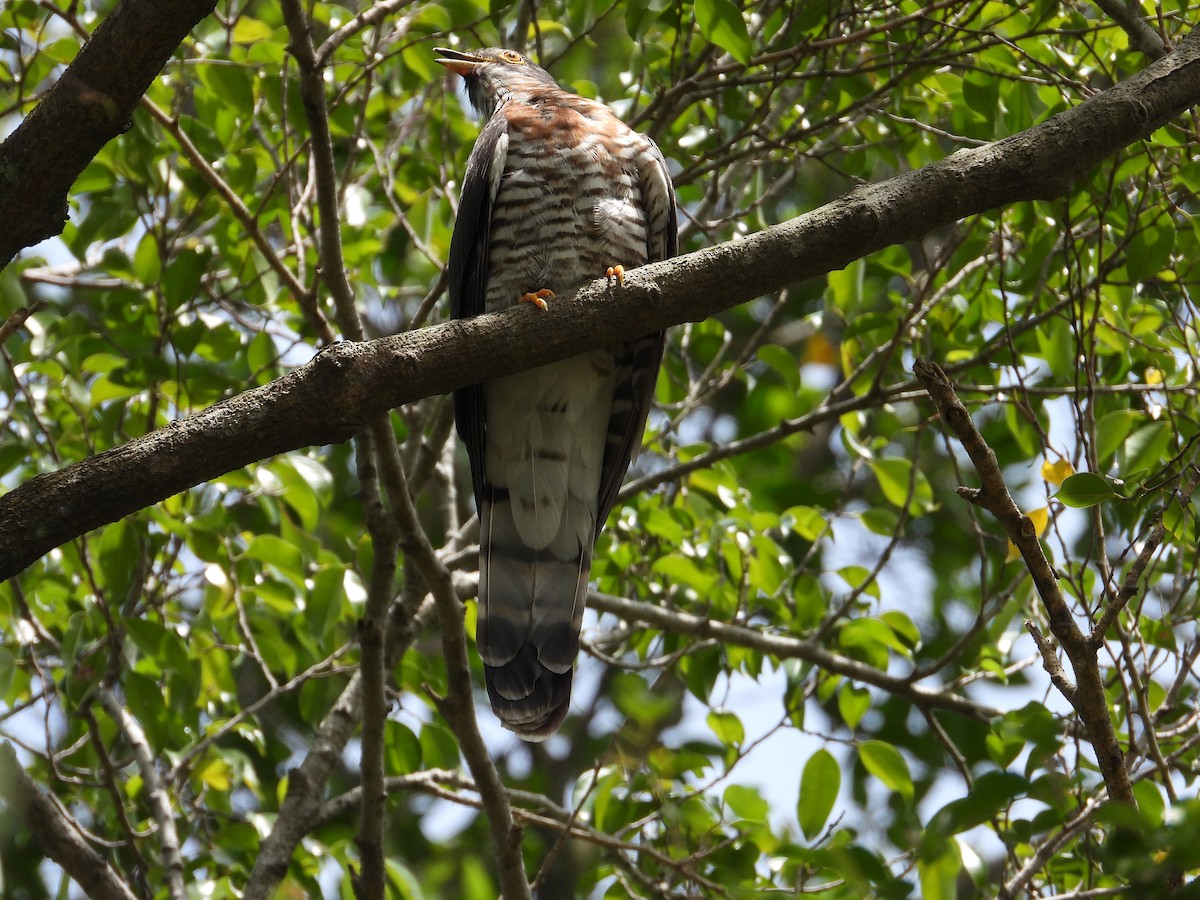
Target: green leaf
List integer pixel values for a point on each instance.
(403, 749)
(885, 762)
(1150, 249)
(819, 785)
(727, 727)
(1146, 448)
(721, 22)
(247, 30)
(147, 266)
(939, 875)
(684, 571)
(439, 749)
(991, 794)
(747, 803)
(895, 474)
(1085, 489)
(275, 551)
(782, 362)
(1111, 431)
(853, 703)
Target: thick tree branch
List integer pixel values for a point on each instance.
(331, 397)
(89, 105)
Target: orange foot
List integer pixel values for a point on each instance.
(617, 272)
(537, 298)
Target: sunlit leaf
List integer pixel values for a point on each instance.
(1085, 489)
(886, 763)
(1040, 518)
(1058, 471)
(820, 783)
(721, 22)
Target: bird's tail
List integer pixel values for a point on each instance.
(530, 610)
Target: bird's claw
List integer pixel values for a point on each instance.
(537, 298)
(617, 272)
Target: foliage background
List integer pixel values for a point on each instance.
(793, 485)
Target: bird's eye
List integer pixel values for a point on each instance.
(512, 57)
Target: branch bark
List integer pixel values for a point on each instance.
(307, 782)
(1087, 695)
(91, 104)
(156, 791)
(785, 647)
(56, 833)
(335, 394)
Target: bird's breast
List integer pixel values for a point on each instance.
(568, 206)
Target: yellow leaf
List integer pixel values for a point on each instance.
(1057, 472)
(819, 350)
(247, 31)
(217, 775)
(1040, 519)
(1154, 376)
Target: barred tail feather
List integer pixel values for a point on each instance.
(530, 610)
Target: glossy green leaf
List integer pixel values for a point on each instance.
(721, 22)
(819, 785)
(1085, 489)
(886, 763)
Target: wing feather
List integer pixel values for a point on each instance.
(469, 249)
(638, 360)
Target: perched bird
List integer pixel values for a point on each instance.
(558, 192)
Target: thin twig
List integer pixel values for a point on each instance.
(787, 647)
(156, 791)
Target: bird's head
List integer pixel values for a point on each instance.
(493, 73)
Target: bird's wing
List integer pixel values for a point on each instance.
(638, 360)
(469, 271)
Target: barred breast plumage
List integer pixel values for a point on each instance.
(557, 190)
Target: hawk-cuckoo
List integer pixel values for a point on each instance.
(558, 191)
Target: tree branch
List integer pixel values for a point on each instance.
(306, 782)
(55, 832)
(1127, 14)
(331, 397)
(156, 790)
(785, 647)
(87, 107)
(1087, 695)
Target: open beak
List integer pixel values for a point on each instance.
(459, 62)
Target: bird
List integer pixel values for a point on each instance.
(557, 192)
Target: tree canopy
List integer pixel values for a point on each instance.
(900, 598)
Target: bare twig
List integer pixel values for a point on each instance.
(1051, 664)
(17, 318)
(306, 782)
(374, 444)
(1046, 851)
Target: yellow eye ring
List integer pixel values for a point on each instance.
(512, 56)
